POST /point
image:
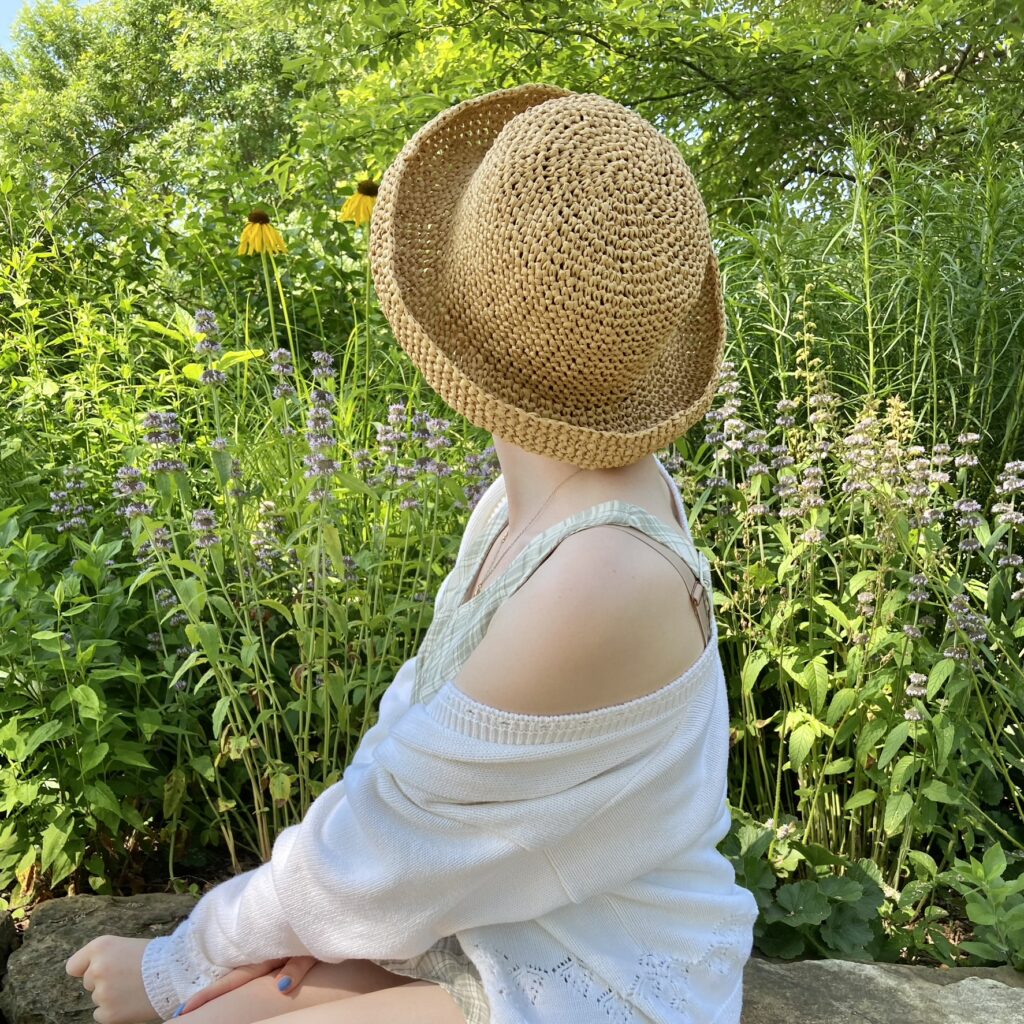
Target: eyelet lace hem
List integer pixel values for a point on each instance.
(661, 985)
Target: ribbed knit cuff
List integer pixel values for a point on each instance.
(156, 976)
(174, 969)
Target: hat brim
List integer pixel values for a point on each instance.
(412, 217)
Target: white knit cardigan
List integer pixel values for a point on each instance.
(573, 855)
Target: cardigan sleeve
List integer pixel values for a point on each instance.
(172, 967)
(435, 832)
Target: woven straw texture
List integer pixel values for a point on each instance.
(544, 259)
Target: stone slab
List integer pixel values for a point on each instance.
(849, 992)
(36, 988)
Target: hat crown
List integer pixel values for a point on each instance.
(581, 229)
(550, 273)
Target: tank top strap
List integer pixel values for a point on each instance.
(495, 515)
(615, 512)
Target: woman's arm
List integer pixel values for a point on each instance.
(436, 832)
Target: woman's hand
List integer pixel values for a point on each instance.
(290, 971)
(110, 967)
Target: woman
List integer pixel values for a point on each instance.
(528, 833)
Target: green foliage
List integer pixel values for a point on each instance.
(994, 904)
(78, 715)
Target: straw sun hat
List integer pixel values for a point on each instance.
(544, 259)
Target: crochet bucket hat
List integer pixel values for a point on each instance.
(544, 259)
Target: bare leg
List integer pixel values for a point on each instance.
(420, 1002)
(325, 983)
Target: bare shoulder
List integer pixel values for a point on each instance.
(603, 620)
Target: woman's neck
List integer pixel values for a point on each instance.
(530, 480)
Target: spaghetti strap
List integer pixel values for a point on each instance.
(698, 595)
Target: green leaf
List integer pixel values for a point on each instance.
(893, 742)
(835, 612)
(945, 735)
(980, 912)
(897, 807)
(159, 328)
(985, 950)
(903, 770)
(840, 704)
(192, 595)
(175, 785)
(280, 786)
(860, 799)
(940, 792)
(233, 357)
(88, 701)
(191, 660)
(801, 739)
(332, 542)
(756, 660)
(46, 731)
(219, 713)
(131, 754)
(55, 836)
(939, 673)
(815, 678)
(149, 720)
(101, 796)
(994, 862)
(348, 482)
(222, 462)
(205, 635)
(250, 648)
(924, 862)
(802, 902)
(93, 755)
(276, 606)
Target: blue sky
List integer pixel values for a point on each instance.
(8, 9)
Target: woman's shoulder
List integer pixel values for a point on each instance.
(597, 623)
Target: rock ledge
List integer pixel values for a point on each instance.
(35, 988)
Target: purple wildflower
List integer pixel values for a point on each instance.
(266, 538)
(206, 322)
(167, 466)
(127, 486)
(281, 362)
(204, 525)
(66, 500)
(160, 541)
(162, 428)
(324, 367)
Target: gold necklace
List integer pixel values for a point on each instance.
(480, 582)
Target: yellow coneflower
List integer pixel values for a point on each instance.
(259, 235)
(359, 206)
